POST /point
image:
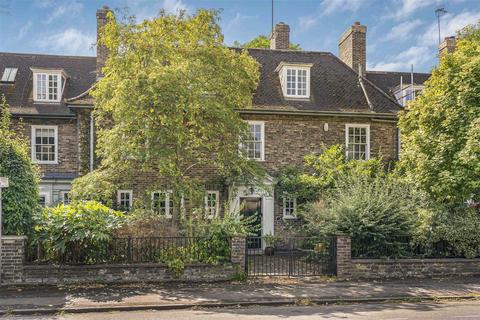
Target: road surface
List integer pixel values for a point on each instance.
(402, 311)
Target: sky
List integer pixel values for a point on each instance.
(399, 32)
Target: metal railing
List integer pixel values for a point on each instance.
(399, 247)
(134, 250)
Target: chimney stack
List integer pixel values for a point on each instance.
(280, 37)
(352, 47)
(102, 51)
(447, 46)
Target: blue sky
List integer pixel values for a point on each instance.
(400, 32)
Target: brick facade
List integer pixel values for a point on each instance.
(68, 142)
(281, 37)
(13, 259)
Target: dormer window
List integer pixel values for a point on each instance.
(48, 85)
(295, 80)
(407, 93)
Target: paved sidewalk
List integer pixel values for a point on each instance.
(267, 291)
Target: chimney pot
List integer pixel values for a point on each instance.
(280, 37)
(352, 47)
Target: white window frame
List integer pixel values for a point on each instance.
(217, 203)
(119, 198)
(62, 194)
(262, 139)
(47, 73)
(167, 194)
(285, 214)
(283, 68)
(358, 125)
(33, 144)
(47, 195)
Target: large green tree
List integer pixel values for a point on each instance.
(262, 41)
(167, 103)
(20, 199)
(441, 128)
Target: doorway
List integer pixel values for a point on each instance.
(252, 206)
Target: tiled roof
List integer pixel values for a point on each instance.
(387, 80)
(81, 72)
(333, 85)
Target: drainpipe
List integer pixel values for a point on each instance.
(92, 135)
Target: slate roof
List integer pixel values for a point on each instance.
(387, 80)
(334, 87)
(81, 72)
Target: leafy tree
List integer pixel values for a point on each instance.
(441, 128)
(321, 171)
(262, 41)
(20, 199)
(167, 103)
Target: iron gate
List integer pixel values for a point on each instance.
(295, 256)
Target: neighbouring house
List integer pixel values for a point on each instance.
(304, 100)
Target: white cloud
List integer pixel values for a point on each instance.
(403, 31)
(24, 30)
(328, 7)
(67, 8)
(416, 55)
(405, 8)
(71, 41)
(238, 20)
(174, 6)
(450, 24)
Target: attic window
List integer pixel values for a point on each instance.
(295, 80)
(48, 85)
(9, 74)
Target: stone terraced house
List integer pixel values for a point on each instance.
(304, 100)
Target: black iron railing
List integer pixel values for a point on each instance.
(134, 250)
(398, 247)
(293, 256)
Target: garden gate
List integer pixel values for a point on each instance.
(294, 256)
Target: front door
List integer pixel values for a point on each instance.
(253, 207)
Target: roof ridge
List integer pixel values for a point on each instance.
(45, 55)
(386, 72)
(284, 50)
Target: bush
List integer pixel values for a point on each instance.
(365, 208)
(80, 231)
(20, 199)
(321, 172)
(457, 227)
(146, 223)
(97, 185)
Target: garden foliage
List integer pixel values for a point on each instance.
(20, 199)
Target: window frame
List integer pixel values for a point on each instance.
(167, 193)
(262, 140)
(358, 125)
(119, 198)
(293, 215)
(284, 81)
(47, 73)
(217, 203)
(33, 144)
(10, 76)
(63, 193)
(47, 196)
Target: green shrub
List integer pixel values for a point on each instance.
(97, 185)
(366, 208)
(83, 230)
(320, 173)
(457, 227)
(20, 199)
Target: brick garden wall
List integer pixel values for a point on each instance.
(348, 268)
(123, 273)
(13, 259)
